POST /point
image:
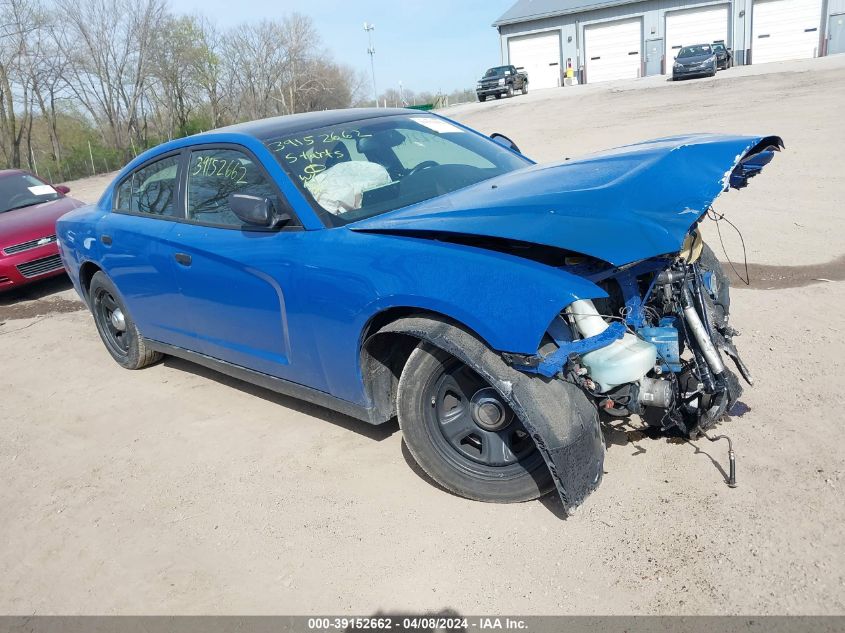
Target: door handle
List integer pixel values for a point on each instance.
(183, 258)
(106, 239)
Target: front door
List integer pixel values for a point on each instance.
(236, 279)
(654, 56)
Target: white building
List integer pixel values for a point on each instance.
(617, 39)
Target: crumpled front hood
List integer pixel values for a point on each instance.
(620, 206)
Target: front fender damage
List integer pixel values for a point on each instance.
(560, 418)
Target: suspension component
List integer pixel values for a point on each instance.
(699, 332)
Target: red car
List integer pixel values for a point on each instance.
(29, 208)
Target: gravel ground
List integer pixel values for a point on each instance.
(177, 490)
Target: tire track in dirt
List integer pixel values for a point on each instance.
(771, 277)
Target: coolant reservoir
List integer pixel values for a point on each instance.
(625, 360)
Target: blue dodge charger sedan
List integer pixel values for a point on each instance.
(396, 264)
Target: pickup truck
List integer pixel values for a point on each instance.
(501, 80)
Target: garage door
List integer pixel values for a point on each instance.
(784, 29)
(539, 55)
(613, 50)
(694, 26)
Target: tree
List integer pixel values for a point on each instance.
(93, 81)
(18, 19)
(177, 51)
(108, 43)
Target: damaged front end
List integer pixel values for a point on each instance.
(650, 334)
(655, 346)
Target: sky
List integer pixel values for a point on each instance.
(428, 45)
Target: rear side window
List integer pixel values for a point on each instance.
(150, 190)
(214, 174)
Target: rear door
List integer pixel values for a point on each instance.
(137, 251)
(236, 279)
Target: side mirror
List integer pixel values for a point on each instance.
(256, 210)
(62, 189)
(504, 141)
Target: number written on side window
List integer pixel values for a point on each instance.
(150, 190)
(215, 174)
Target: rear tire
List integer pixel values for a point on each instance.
(118, 331)
(462, 433)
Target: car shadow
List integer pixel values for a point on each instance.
(40, 299)
(36, 290)
(378, 432)
(622, 432)
(551, 500)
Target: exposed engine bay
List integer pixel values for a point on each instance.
(656, 346)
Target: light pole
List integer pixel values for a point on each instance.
(371, 51)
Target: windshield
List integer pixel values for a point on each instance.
(695, 51)
(365, 168)
(718, 47)
(498, 70)
(23, 190)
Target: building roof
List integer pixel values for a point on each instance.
(526, 10)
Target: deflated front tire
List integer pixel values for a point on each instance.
(556, 414)
(463, 434)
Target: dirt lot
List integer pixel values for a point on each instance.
(175, 490)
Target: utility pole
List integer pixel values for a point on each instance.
(371, 51)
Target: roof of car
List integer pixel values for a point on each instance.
(10, 172)
(280, 125)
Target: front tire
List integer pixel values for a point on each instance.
(463, 434)
(117, 329)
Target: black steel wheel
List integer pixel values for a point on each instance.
(464, 435)
(116, 328)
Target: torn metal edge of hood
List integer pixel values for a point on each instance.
(756, 156)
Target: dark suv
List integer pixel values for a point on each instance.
(501, 80)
